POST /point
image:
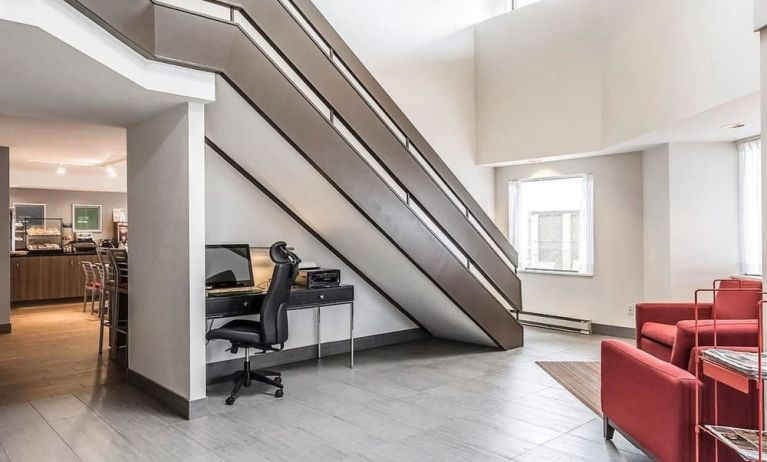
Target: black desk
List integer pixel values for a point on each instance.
(244, 304)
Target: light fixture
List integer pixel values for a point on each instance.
(737, 125)
(60, 170)
(111, 172)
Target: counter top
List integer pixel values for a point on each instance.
(60, 254)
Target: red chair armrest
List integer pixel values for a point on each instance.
(649, 399)
(668, 313)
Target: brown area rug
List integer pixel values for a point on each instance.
(580, 378)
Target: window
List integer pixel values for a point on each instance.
(750, 198)
(551, 224)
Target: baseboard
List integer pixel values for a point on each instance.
(185, 408)
(5, 328)
(613, 331)
(217, 371)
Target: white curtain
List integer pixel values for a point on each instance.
(586, 230)
(750, 153)
(514, 221)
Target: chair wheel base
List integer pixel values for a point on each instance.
(278, 379)
(230, 400)
(278, 393)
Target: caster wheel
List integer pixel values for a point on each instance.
(278, 393)
(230, 401)
(278, 379)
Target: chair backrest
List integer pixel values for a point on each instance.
(119, 258)
(738, 300)
(90, 276)
(274, 310)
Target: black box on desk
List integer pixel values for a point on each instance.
(313, 278)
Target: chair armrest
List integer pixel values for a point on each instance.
(650, 400)
(668, 313)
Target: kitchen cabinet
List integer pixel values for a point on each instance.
(49, 277)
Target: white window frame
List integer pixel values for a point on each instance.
(586, 228)
(750, 207)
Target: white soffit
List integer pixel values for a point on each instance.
(71, 27)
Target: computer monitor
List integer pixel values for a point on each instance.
(228, 266)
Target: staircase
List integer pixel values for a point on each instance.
(294, 102)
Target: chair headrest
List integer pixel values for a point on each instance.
(279, 253)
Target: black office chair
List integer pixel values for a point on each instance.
(269, 331)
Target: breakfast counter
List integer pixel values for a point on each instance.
(48, 277)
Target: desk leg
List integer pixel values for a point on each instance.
(351, 335)
(319, 332)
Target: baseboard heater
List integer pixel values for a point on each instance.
(550, 321)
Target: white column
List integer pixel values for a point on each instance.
(166, 203)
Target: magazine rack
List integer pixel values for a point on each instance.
(722, 375)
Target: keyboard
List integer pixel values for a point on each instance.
(233, 290)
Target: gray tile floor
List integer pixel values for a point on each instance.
(423, 401)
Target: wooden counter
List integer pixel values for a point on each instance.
(48, 277)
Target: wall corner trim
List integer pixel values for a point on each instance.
(182, 406)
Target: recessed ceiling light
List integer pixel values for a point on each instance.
(733, 125)
(60, 170)
(111, 172)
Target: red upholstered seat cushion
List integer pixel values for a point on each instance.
(661, 333)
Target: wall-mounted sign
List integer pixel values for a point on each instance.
(86, 218)
(119, 216)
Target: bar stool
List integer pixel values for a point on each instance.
(105, 270)
(91, 287)
(119, 260)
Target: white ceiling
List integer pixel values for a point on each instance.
(58, 105)
(40, 144)
(43, 77)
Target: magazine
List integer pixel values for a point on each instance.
(744, 442)
(739, 361)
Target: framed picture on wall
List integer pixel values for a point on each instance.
(86, 218)
(33, 212)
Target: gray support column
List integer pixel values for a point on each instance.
(5, 244)
(166, 203)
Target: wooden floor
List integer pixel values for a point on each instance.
(52, 350)
(581, 378)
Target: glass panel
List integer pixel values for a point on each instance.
(369, 99)
(282, 65)
(201, 6)
(437, 179)
(306, 26)
(367, 157)
(481, 278)
(438, 232)
(490, 241)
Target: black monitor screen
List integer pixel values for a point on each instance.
(228, 266)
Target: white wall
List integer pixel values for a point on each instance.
(166, 168)
(571, 76)
(422, 53)
(539, 82)
(656, 226)
(237, 212)
(703, 211)
(618, 236)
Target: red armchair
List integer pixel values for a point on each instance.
(666, 330)
(652, 402)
